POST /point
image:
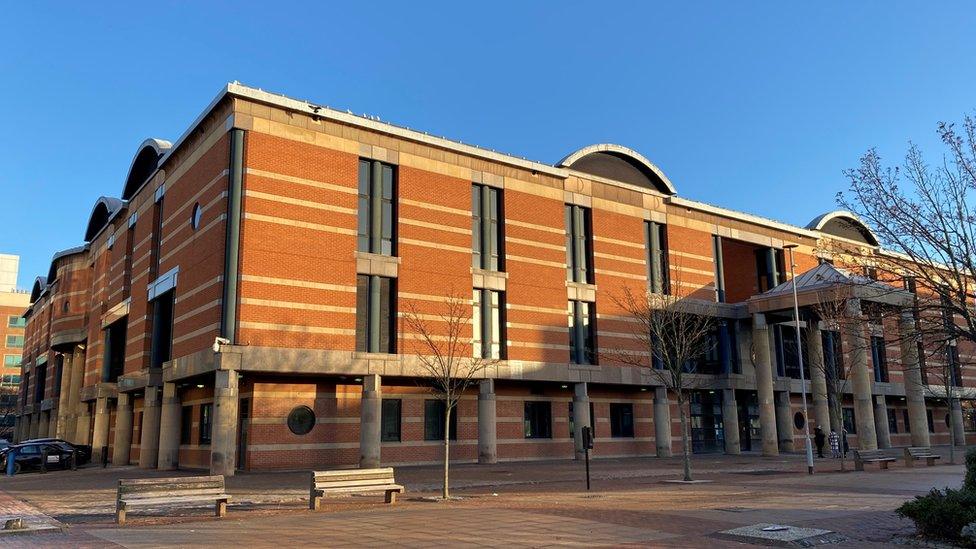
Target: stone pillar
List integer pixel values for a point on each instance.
(956, 422)
(818, 378)
(487, 423)
(764, 385)
(857, 343)
(223, 442)
(169, 428)
(74, 395)
(881, 422)
(730, 422)
(581, 417)
(52, 425)
(123, 430)
(83, 424)
(32, 426)
(914, 386)
(149, 436)
(370, 415)
(662, 421)
(60, 421)
(100, 431)
(42, 424)
(784, 421)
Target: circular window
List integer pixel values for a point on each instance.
(301, 420)
(798, 420)
(195, 217)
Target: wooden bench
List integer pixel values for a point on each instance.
(170, 492)
(918, 453)
(352, 481)
(871, 456)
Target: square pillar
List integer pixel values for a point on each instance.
(169, 428)
(149, 435)
(370, 415)
(662, 421)
(818, 378)
(764, 385)
(123, 430)
(784, 421)
(52, 425)
(74, 411)
(83, 425)
(581, 418)
(100, 429)
(43, 422)
(914, 386)
(223, 440)
(730, 422)
(881, 422)
(487, 423)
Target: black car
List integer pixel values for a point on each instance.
(30, 455)
(84, 450)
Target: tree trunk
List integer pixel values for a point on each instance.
(446, 492)
(685, 438)
(952, 424)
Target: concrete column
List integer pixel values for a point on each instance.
(43, 422)
(34, 425)
(662, 421)
(169, 428)
(487, 423)
(857, 344)
(60, 429)
(881, 422)
(730, 422)
(223, 440)
(83, 424)
(52, 425)
(123, 430)
(764, 385)
(370, 415)
(956, 422)
(914, 387)
(74, 394)
(149, 436)
(100, 431)
(818, 378)
(581, 417)
(784, 421)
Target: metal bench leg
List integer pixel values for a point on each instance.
(314, 501)
(391, 496)
(221, 508)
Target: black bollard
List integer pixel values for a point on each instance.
(44, 460)
(104, 457)
(74, 459)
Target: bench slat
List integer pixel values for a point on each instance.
(169, 494)
(362, 489)
(144, 481)
(148, 502)
(344, 483)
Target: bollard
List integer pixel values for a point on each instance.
(11, 461)
(104, 457)
(44, 459)
(74, 459)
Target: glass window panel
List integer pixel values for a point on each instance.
(390, 421)
(362, 312)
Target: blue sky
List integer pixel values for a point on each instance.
(747, 105)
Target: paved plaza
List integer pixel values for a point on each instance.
(536, 504)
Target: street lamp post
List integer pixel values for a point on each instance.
(799, 354)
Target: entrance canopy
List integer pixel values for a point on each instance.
(825, 282)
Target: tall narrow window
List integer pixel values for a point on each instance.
(656, 244)
(377, 208)
(908, 423)
(892, 421)
(186, 425)
(621, 420)
(538, 419)
(582, 333)
(489, 324)
(40, 380)
(375, 314)
(486, 228)
(157, 238)
(434, 421)
(161, 345)
(879, 359)
(114, 363)
(206, 422)
(130, 236)
(579, 244)
(719, 268)
(833, 355)
(390, 421)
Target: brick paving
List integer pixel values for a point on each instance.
(512, 505)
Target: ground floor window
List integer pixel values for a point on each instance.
(186, 424)
(908, 423)
(892, 421)
(206, 420)
(434, 420)
(707, 431)
(849, 424)
(622, 420)
(390, 421)
(928, 414)
(538, 419)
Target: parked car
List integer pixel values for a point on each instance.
(84, 450)
(30, 454)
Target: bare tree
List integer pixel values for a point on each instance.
(8, 407)
(925, 222)
(676, 333)
(443, 346)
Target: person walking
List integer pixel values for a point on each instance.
(834, 444)
(819, 438)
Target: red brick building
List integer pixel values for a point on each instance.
(240, 305)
